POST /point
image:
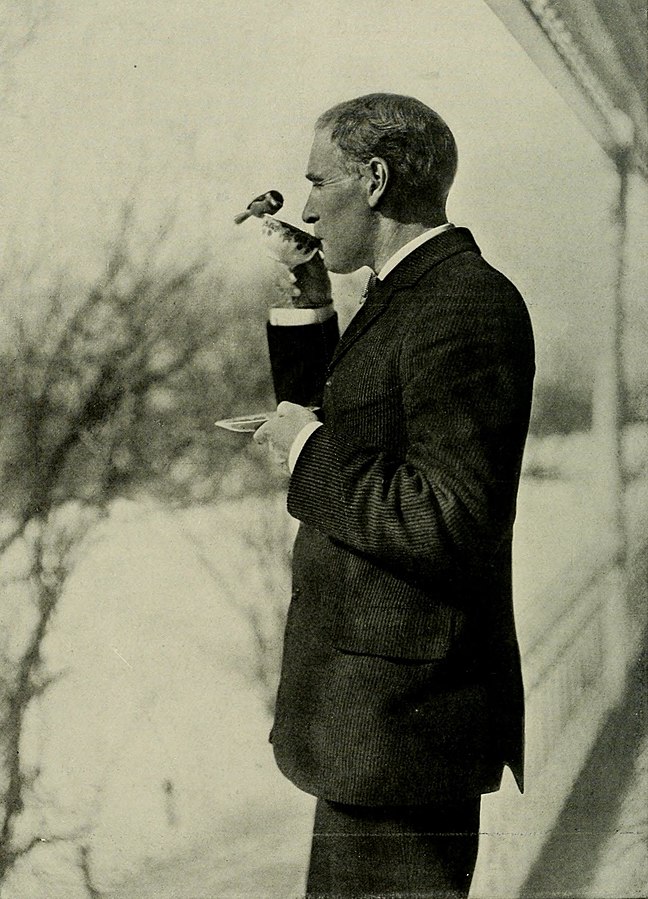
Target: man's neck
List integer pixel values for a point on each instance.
(394, 235)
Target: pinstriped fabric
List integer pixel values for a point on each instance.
(425, 851)
(401, 679)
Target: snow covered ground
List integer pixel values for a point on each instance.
(147, 761)
(622, 870)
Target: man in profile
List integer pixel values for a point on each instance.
(401, 697)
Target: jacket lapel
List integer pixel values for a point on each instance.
(366, 314)
(406, 274)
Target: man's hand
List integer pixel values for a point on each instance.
(312, 284)
(307, 286)
(279, 432)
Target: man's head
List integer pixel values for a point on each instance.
(381, 153)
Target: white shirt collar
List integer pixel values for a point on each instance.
(411, 245)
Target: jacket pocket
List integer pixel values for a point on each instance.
(396, 629)
(378, 612)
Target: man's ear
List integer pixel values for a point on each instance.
(377, 181)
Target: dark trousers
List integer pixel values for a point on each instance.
(427, 851)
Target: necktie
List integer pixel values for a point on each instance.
(361, 314)
(369, 288)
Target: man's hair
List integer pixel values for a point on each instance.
(414, 141)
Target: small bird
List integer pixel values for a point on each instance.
(266, 204)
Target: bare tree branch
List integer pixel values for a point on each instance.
(112, 393)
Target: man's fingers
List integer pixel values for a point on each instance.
(260, 436)
(278, 433)
(285, 408)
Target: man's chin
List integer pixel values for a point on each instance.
(336, 268)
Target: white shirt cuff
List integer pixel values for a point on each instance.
(300, 442)
(289, 315)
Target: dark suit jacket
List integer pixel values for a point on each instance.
(401, 675)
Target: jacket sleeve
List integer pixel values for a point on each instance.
(465, 389)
